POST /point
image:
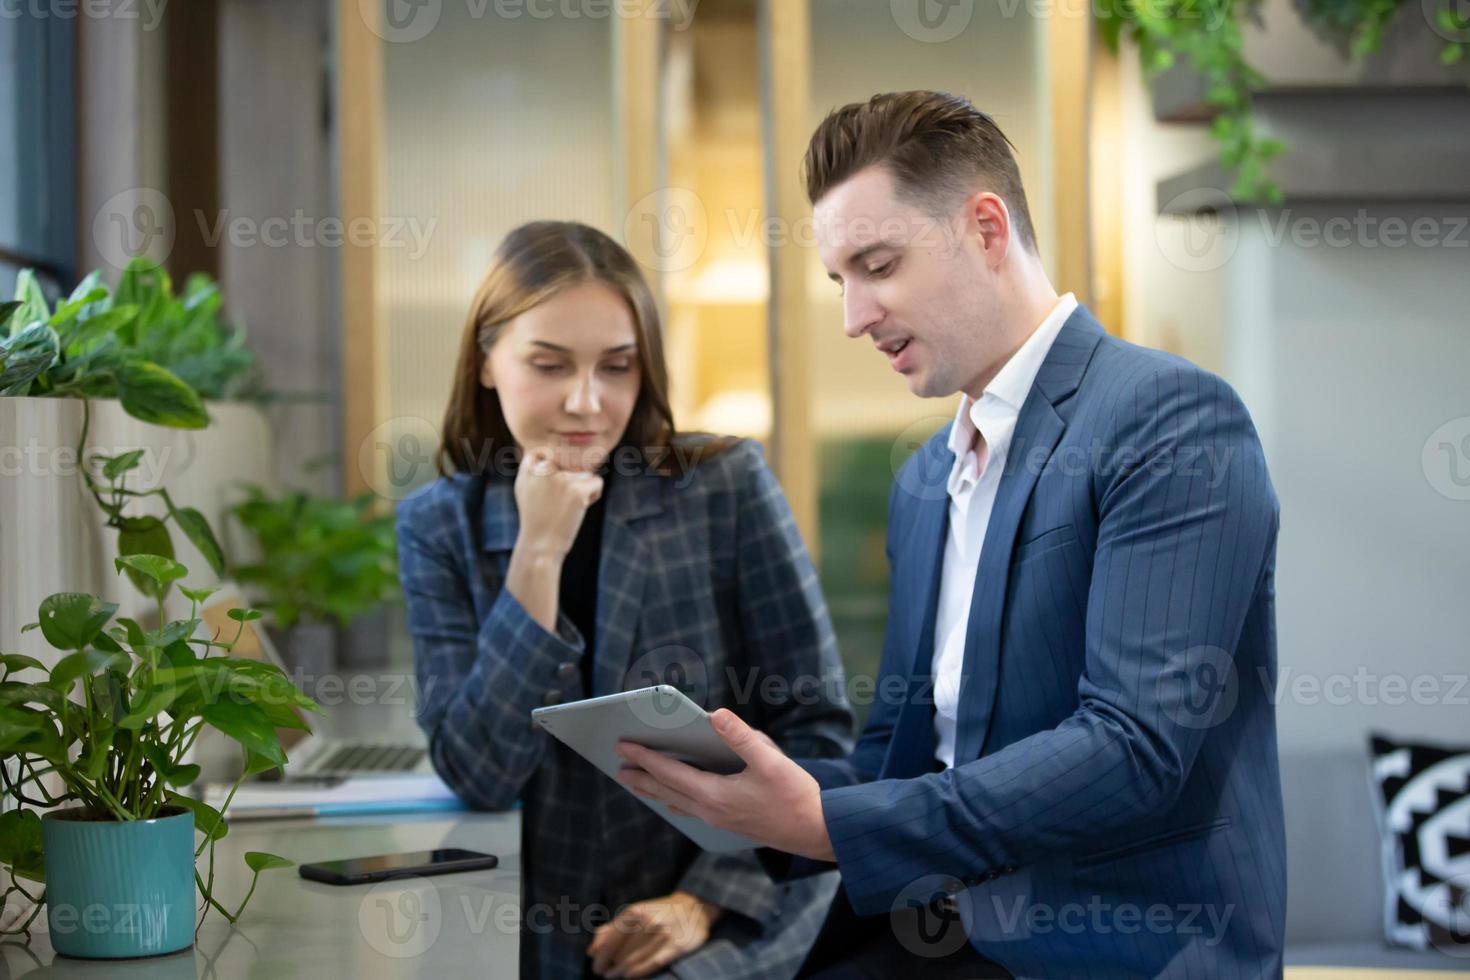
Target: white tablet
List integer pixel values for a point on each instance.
(661, 718)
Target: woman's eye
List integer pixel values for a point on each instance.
(620, 367)
(545, 368)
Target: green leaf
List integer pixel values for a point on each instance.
(81, 664)
(18, 723)
(146, 537)
(261, 861)
(154, 394)
(116, 466)
(106, 643)
(257, 764)
(197, 530)
(108, 696)
(19, 661)
(179, 629)
(247, 724)
(20, 843)
(94, 761)
(198, 595)
(1452, 54)
(180, 654)
(243, 615)
(159, 568)
(137, 639)
(158, 698)
(32, 301)
(69, 620)
(13, 692)
(6, 310)
(86, 335)
(1269, 147)
(26, 356)
(67, 311)
(90, 281)
(157, 758)
(207, 820)
(181, 776)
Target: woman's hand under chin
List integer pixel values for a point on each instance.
(647, 936)
(552, 503)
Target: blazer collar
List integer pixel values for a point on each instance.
(1061, 372)
(629, 497)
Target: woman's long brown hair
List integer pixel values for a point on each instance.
(534, 263)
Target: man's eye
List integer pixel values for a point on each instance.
(879, 272)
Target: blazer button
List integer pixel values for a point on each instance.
(566, 671)
(551, 697)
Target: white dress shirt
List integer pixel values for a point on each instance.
(972, 485)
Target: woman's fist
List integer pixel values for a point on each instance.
(552, 503)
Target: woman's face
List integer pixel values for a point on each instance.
(568, 374)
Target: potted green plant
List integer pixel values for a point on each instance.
(120, 377)
(159, 353)
(318, 563)
(98, 740)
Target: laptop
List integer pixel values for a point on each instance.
(310, 755)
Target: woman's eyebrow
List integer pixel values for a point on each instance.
(619, 349)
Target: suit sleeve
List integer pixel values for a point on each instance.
(786, 633)
(478, 681)
(1181, 550)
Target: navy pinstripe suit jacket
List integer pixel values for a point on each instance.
(1115, 805)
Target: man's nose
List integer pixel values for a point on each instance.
(860, 312)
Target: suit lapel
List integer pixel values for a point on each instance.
(1038, 430)
(911, 750)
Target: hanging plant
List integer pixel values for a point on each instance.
(1207, 34)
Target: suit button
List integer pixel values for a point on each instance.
(566, 671)
(1009, 869)
(551, 697)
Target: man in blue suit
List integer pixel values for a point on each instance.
(1079, 767)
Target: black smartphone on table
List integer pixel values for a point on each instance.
(381, 867)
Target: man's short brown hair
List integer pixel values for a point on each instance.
(938, 148)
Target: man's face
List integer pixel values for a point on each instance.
(922, 287)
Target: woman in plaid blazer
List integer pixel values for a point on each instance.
(575, 547)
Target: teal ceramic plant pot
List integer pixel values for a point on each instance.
(119, 889)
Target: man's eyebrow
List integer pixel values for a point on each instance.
(859, 255)
(619, 349)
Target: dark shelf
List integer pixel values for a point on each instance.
(1380, 173)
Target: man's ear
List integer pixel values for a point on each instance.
(487, 377)
(991, 219)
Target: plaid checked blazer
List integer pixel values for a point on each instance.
(703, 582)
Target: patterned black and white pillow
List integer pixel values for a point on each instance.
(1422, 797)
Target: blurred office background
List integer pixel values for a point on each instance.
(181, 131)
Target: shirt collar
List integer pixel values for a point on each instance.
(1012, 383)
